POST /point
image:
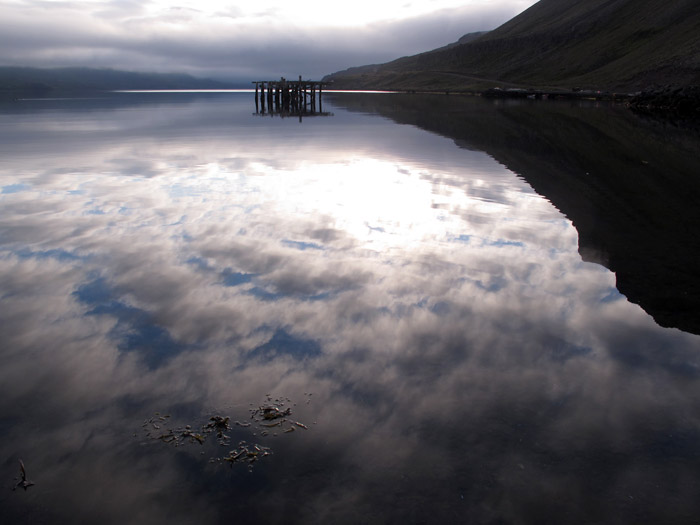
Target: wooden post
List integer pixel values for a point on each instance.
(288, 97)
(300, 95)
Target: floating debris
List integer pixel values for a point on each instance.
(23, 481)
(246, 453)
(177, 436)
(192, 436)
(219, 425)
(272, 411)
(274, 414)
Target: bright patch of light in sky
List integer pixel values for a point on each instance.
(314, 12)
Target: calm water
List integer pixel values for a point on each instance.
(422, 311)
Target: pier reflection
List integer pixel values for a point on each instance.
(287, 98)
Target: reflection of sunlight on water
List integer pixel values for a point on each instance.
(380, 203)
(372, 200)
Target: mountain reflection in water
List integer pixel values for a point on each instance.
(628, 183)
(425, 313)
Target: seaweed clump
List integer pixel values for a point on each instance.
(274, 416)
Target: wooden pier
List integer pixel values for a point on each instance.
(289, 97)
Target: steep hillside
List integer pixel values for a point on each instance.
(602, 44)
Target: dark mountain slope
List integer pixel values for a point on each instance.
(605, 44)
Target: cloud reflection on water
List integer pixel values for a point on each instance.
(459, 351)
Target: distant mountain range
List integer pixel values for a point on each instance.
(42, 82)
(593, 44)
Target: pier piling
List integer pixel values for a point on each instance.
(288, 98)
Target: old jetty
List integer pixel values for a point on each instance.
(289, 97)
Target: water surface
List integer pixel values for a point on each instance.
(417, 305)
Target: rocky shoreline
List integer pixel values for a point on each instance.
(683, 101)
(554, 94)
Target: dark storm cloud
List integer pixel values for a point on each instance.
(124, 35)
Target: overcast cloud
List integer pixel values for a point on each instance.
(236, 40)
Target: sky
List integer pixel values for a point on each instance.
(236, 40)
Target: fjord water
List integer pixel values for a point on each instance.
(417, 305)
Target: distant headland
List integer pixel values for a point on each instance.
(42, 82)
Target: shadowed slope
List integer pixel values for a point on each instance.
(606, 44)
